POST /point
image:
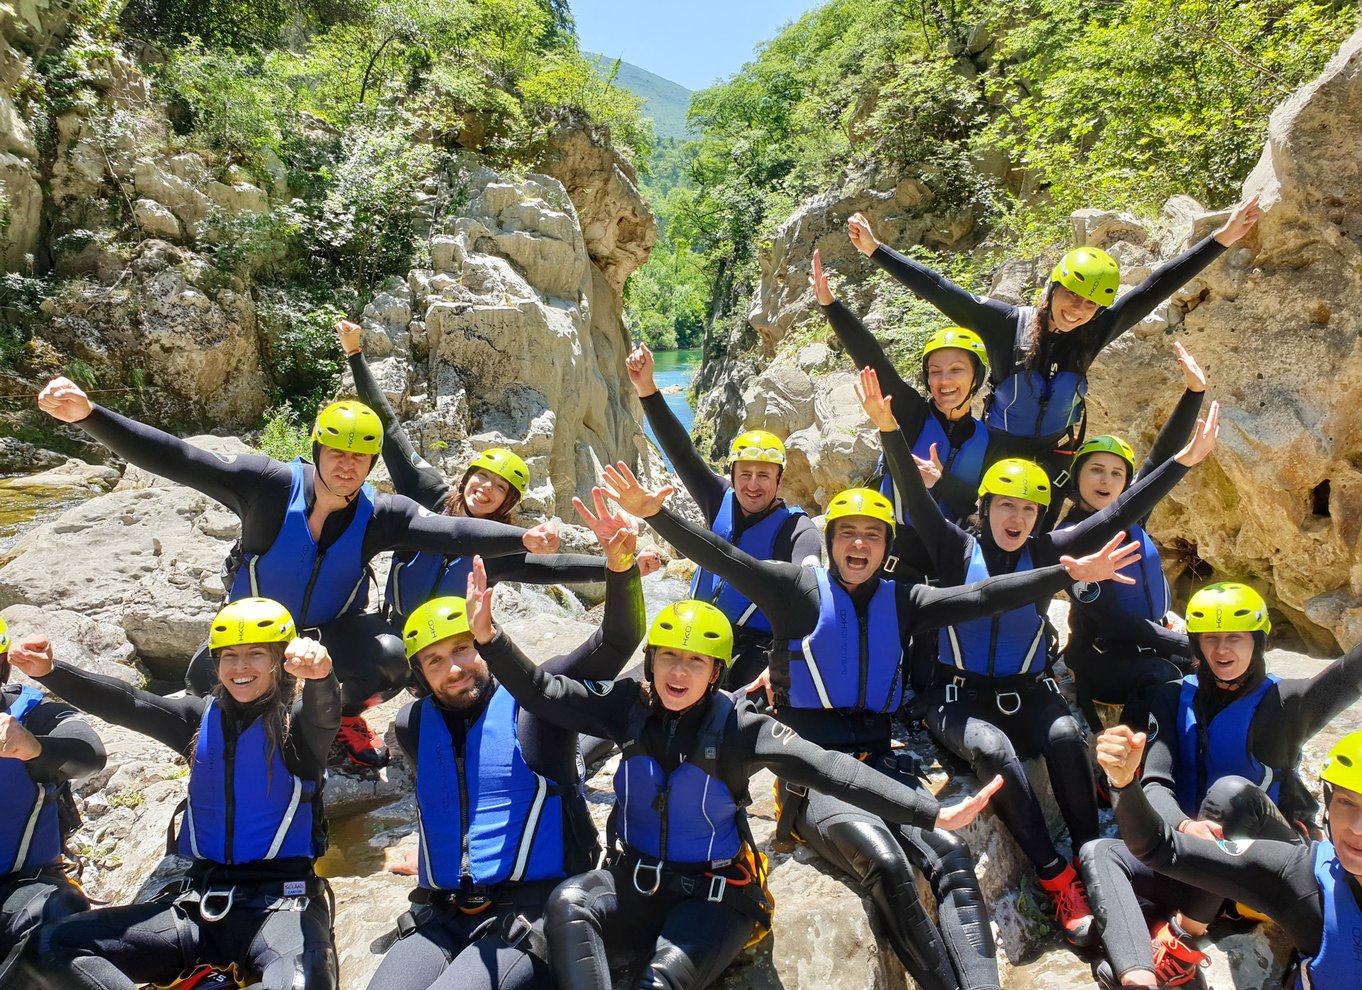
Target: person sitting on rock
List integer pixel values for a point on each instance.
(1039, 356)
(940, 428)
(1312, 890)
(1119, 639)
(307, 536)
(501, 813)
(253, 823)
(744, 508)
(684, 888)
(491, 487)
(836, 678)
(1222, 760)
(992, 700)
(44, 746)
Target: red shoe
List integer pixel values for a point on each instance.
(358, 744)
(1071, 906)
(1176, 963)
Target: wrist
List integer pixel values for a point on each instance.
(645, 389)
(621, 564)
(352, 353)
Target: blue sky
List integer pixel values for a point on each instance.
(692, 42)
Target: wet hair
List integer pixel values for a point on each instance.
(455, 505)
(1036, 332)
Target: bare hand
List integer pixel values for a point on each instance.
(1105, 564)
(307, 659)
(762, 683)
(930, 468)
(16, 742)
(875, 403)
(819, 280)
(1191, 371)
(479, 603)
(32, 654)
(956, 816)
(1119, 751)
(1203, 439)
(1241, 221)
(640, 364)
(625, 488)
(616, 532)
(542, 538)
(1202, 829)
(63, 399)
(858, 229)
(649, 560)
(349, 335)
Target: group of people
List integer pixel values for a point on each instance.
(921, 601)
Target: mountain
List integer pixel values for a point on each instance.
(666, 101)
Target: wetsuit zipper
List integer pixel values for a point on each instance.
(229, 773)
(465, 862)
(664, 795)
(311, 582)
(863, 622)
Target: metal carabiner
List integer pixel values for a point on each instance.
(1008, 694)
(208, 914)
(657, 877)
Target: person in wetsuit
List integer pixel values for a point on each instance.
(836, 679)
(743, 507)
(684, 888)
(1039, 356)
(253, 824)
(501, 812)
(307, 536)
(1221, 762)
(45, 746)
(1312, 890)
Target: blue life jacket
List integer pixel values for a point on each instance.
(689, 815)
(1147, 598)
(423, 576)
(1003, 645)
(484, 817)
(1338, 963)
(965, 462)
(759, 541)
(1034, 405)
(849, 661)
(244, 804)
(30, 832)
(1206, 753)
(315, 587)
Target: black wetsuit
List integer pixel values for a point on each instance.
(117, 948)
(798, 540)
(368, 658)
(683, 941)
(1112, 659)
(446, 949)
(971, 719)
(41, 896)
(961, 952)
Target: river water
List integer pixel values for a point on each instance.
(673, 371)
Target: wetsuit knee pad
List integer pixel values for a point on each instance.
(1098, 851)
(1064, 731)
(571, 900)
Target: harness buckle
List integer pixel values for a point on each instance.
(1016, 698)
(952, 693)
(226, 896)
(717, 883)
(891, 563)
(657, 877)
(1052, 684)
(515, 930)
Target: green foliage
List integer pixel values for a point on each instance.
(21, 297)
(231, 23)
(667, 300)
(284, 435)
(232, 103)
(298, 347)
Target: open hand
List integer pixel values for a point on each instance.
(1203, 440)
(32, 655)
(956, 816)
(479, 603)
(349, 335)
(858, 229)
(306, 659)
(819, 280)
(640, 365)
(63, 399)
(616, 532)
(1105, 564)
(875, 403)
(930, 468)
(542, 538)
(1191, 371)
(621, 485)
(1242, 219)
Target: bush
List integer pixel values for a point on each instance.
(284, 435)
(298, 347)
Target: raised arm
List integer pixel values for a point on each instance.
(1307, 706)
(539, 568)
(401, 524)
(1181, 425)
(1134, 504)
(316, 718)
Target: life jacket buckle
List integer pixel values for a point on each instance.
(1052, 684)
(891, 564)
(639, 867)
(952, 693)
(1016, 702)
(212, 895)
(717, 883)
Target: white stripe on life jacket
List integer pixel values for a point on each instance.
(815, 674)
(22, 854)
(522, 856)
(282, 832)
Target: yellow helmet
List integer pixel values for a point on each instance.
(351, 426)
(1090, 273)
(4, 637)
(860, 502)
(959, 338)
(251, 620)
(757, 445)
(1017, 478)
(504, 464)
(696, 627)
(1227, 606)
(437, 619)
(1343, 768)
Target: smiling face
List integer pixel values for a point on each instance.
(343, 471)
(484, 493)
(1101, 479)
(454, 671)
(1227, 654)
(1345, 827)
(682, 678)
(1011, 521)
(858, 548)
(755, 484)
(248, 671)
(1069, 310)
(950, 376)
